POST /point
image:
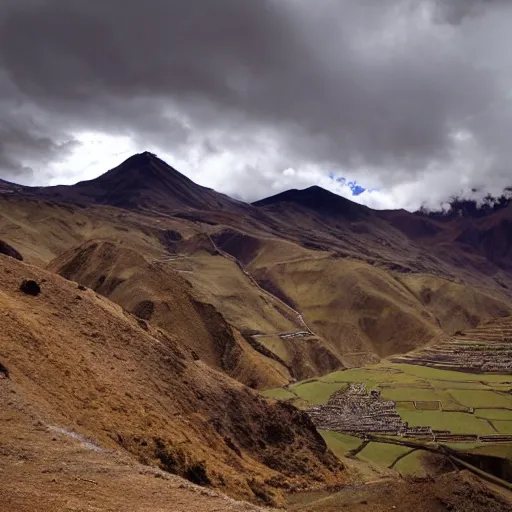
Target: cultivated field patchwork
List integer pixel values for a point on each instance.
(468, 412)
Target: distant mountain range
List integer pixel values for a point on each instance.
(313, 217)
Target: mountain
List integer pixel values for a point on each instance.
(319, 200)
(144, 181)
(301, 261)
(490, 237)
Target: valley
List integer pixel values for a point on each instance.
(418, 398)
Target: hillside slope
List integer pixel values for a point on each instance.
(87, 366)
(155, 292)
(48, 468)
(286, 277)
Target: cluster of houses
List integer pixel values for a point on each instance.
(358, 411)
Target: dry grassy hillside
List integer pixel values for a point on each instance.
(89, 367)
(45, 468)
(156, 292)
(361, 284)
(42, 230)
(360, 310)
(457, 307)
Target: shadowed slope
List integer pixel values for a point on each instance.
(320, 200)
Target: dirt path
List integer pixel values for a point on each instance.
(283, 334)
(297, 314)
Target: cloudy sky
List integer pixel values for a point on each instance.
(394, 103)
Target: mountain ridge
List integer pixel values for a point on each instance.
(318, 199)
(166, 210)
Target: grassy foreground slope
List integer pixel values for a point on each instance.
(51, 470)
(81, 363)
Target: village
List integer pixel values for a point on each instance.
(360, 412)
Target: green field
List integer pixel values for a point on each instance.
(453, 406)
(405, 384)
(280, 393)
(409, 406)
(316, 392)
(443, 384)
(411, 464)
(428, 406)
(478, 399)
(494, 414)
(464, 447)
(447, 375)
(376, 373)
(455, 422)
(503, 427)
(382, 453)
(417, 391)
(497, 450)
(504, 386)
(340, 444)
(420, 394)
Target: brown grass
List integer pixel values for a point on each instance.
(86, 365)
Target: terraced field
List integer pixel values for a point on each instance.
(456, 394)
(487, 348)
(404, 459)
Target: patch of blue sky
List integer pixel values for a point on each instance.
(355, 188)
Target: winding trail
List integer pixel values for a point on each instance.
(297, 314)
(273, 297)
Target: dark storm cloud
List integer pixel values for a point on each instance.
(24, 139)
(353, 84)
(455, 11)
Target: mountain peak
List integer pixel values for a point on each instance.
(145, 163)
(144, 158)
(145, 181)
(318, 199)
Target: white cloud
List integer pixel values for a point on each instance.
(95, 154)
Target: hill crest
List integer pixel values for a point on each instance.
(318, 199)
